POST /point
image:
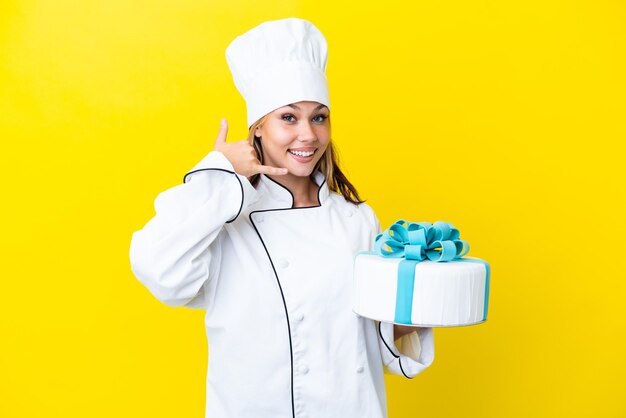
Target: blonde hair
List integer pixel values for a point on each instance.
(328, 165)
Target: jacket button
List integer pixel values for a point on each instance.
(349, 213)
(304, 369)
(300, 317)
(259, 218)
(283, 263)
(360, 369)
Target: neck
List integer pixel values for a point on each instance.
(303, 189)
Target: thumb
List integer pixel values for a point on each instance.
(221, 135)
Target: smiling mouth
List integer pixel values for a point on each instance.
(302, 154)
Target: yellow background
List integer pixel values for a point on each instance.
(504, 118)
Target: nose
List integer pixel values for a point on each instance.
(306, 132)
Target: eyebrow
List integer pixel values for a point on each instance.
(317, 108)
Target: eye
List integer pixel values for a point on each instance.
(321, 119)
(287, 116)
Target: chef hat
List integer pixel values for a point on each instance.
(277, 63)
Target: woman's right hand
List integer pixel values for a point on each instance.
(242, 155)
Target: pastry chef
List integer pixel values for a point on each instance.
(262, 235)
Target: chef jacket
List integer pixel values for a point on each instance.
(276, 284)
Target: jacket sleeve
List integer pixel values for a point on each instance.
(178, 251)
(410, 354)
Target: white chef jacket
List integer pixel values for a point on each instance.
(276, 284)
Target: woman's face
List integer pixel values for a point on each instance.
(295, 137)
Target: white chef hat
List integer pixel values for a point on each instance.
(277, 63)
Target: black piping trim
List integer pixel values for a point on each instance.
(319, 201)
(392, 353)
(400, 363)
(226, 171)
(282, 295)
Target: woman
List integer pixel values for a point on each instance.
(262, 234)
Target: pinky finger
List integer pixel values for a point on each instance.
(266, 169)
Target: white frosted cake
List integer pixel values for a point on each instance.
(442, 293)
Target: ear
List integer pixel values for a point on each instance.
(257, 131)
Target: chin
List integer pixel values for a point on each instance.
(301, 171)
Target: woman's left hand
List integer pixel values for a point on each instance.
(400, 331)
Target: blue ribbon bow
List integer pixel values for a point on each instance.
(415, 242)
(420, 241)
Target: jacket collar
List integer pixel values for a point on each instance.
(280, 194)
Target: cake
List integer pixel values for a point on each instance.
(418, 275)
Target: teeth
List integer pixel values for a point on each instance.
(302, 153)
